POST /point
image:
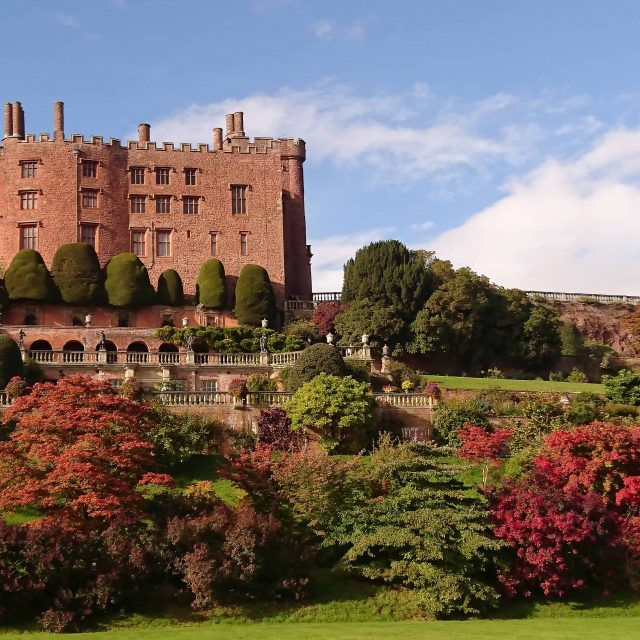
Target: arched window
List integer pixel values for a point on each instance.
(73, 352)
(168, 354)
(137, 353)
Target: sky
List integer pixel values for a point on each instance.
(502, 134)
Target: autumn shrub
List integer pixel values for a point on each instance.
(15, 388)
(274, 430)
(61, 577)
(257, 383)
(131, 389)
(325, 314)
(238, 388)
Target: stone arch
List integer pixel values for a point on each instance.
(111, 349)
(138, 352)
(73, 351)
(40, 345)
(41, 351)
(168, 354)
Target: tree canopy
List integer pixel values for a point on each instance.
(316, 359)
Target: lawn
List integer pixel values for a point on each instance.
(462, 382)
(538, 629)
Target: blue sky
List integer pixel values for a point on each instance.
(505, 135)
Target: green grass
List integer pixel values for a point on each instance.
(462, 382)
(206, 468)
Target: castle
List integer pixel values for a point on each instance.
(238, 200)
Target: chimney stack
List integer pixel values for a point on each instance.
(8, 120)
(144, 132)
(217, 139)
(58, 120)
(229, 124)
(18, 120)
(238, 124)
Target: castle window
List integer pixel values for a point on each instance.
(29, 200)
(190, 204)
(29, 168)
(138, 204)
(214, 244)
(138, 242)
(190, 177)
(163, 204)
(89, 198)
(164, 244)
(28, 236)
(162, 176)
(89, 168)
(209, 386)
(123, 319)
(238, 198)
(243, 244)
(137, 175)
(88, 234)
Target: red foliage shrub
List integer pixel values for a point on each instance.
(481, 445)
(563, 542)
(274, 430)
(62, 577)
(325, 313)
(78, 450)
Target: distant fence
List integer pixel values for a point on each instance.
(335, 296)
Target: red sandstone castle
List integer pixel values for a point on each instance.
(238, 200)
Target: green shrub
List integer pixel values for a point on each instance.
(28, 278)
(127, 282)
(302, 329)
(170, 290)
(76, 273)
(621, 410)
(254, 296)
(316, 359)
(10, 360)
(357, 370)
(257, 383)
(32, 372)
(211, 287)
(451, 416)
(623, 388)
(557, 376)
(575, 375)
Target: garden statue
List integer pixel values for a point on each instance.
(21, 336)
(190, 341)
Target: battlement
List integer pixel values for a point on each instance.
(235, 140)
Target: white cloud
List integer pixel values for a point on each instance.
(566, 225)
(323, 29)
(328, 30)
(330, 254)
(398, 137)
(423, 226)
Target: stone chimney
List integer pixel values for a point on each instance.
(229, 124)
(217, 139)
(18, 120)
(8, 120)
(144, 132)
(58, 120)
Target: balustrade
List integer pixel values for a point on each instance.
(404, 400)
(268, 399)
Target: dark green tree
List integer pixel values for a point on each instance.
(211, 287)
(170, 290)
(28, 278)
(571, 339)
(10, 360)
(389, 275)
(314, 360)
(541, 344)
(254, 296)
(127, 282)
(382, 324)
(77, 274)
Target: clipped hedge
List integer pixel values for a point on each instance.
(314, 360)
(10, 360)
(127, 282)
(76, 273)
(254, 296)
(28, 278)
(170, 289)
(211, 286)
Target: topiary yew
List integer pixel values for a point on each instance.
(28, 278)
(170, 290)
(211, 287)
(127, 282)
(254, 296)
(76, 273)
(10, 360)
(316, 359)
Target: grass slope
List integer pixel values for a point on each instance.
(537, 629)
(461, 382)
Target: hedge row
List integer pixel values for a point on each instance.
(76, 278)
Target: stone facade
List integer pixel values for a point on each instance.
(57, 189)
